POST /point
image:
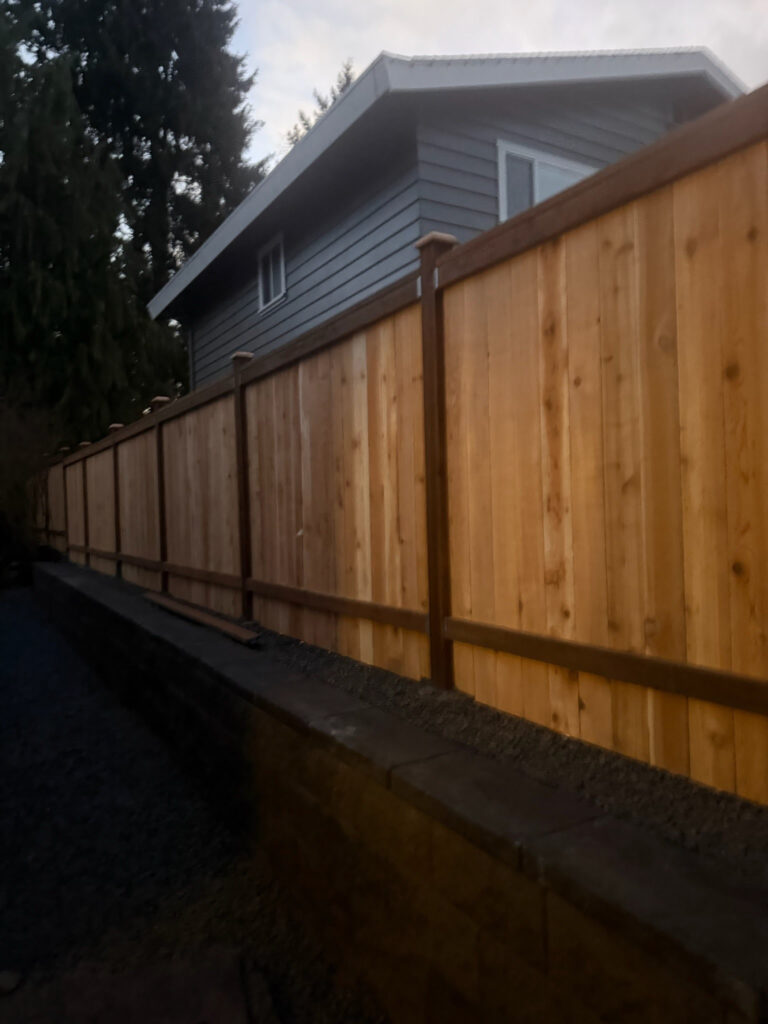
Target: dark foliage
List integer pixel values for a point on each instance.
(76, 340)
(160, 88)
(344, 79)
(122, 137)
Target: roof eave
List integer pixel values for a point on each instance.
(390, 73)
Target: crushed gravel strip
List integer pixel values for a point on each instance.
(108, 854)
(720, 826)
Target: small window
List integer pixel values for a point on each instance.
(271, 273)
(527, 177)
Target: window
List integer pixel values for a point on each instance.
(527, 177)
(271, 273)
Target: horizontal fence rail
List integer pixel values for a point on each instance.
(536, 471)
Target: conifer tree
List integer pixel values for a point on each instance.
(123, 129)
(323, 102)
(75, 337)
(160, 88)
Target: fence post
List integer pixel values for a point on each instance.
(239, 361)
(157, 403)
(431, 247)
(116, 492)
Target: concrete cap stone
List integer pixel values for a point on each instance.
(488, 802)
(379, 741)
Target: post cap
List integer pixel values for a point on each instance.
(64, 449)
(239, 359)
(158, 402)
(438, 238)
(83, 444)
(115, 426)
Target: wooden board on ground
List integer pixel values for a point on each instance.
(239, 633)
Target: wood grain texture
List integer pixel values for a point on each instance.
(661, 505)
(137, 468)
(587, 473)
(626, 425)
(319, 571)
(458, 424)
(410, 485)
(743, 197)
(336, 491)
(56, 516)
(201, 507)
(700, 326)
(101, 509)
(505, 511)
(556, 477)
(75, 509)
(479, 469)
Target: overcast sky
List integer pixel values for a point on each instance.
(298, 45)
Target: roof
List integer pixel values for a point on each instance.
(390, 74)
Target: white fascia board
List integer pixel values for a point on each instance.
(431, 73)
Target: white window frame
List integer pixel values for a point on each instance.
(536, 156)
(265, 250)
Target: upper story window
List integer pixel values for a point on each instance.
(528, 176)
(271, 273)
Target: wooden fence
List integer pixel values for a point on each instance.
(538, 471)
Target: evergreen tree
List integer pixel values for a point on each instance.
(344, 79)
(160, 88)
(76, 340)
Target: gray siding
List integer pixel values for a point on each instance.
(362, 241)
(345, 257)
(457, 154)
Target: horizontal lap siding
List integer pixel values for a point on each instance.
(353, 255)
(458, 175)
(608, 471)
(336, 478)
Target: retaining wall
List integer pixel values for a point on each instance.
(458, 888)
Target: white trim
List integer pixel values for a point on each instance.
(265, 250)
(536, 156)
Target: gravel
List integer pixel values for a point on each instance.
(720, 826)
(109, 856)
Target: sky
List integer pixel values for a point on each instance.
(299, 45)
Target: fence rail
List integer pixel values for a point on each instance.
(537, 470)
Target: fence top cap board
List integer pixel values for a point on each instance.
(409, 77)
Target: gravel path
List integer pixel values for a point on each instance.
(109, 857)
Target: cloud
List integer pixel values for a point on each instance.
(299, 45)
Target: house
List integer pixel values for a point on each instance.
(418, 144)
